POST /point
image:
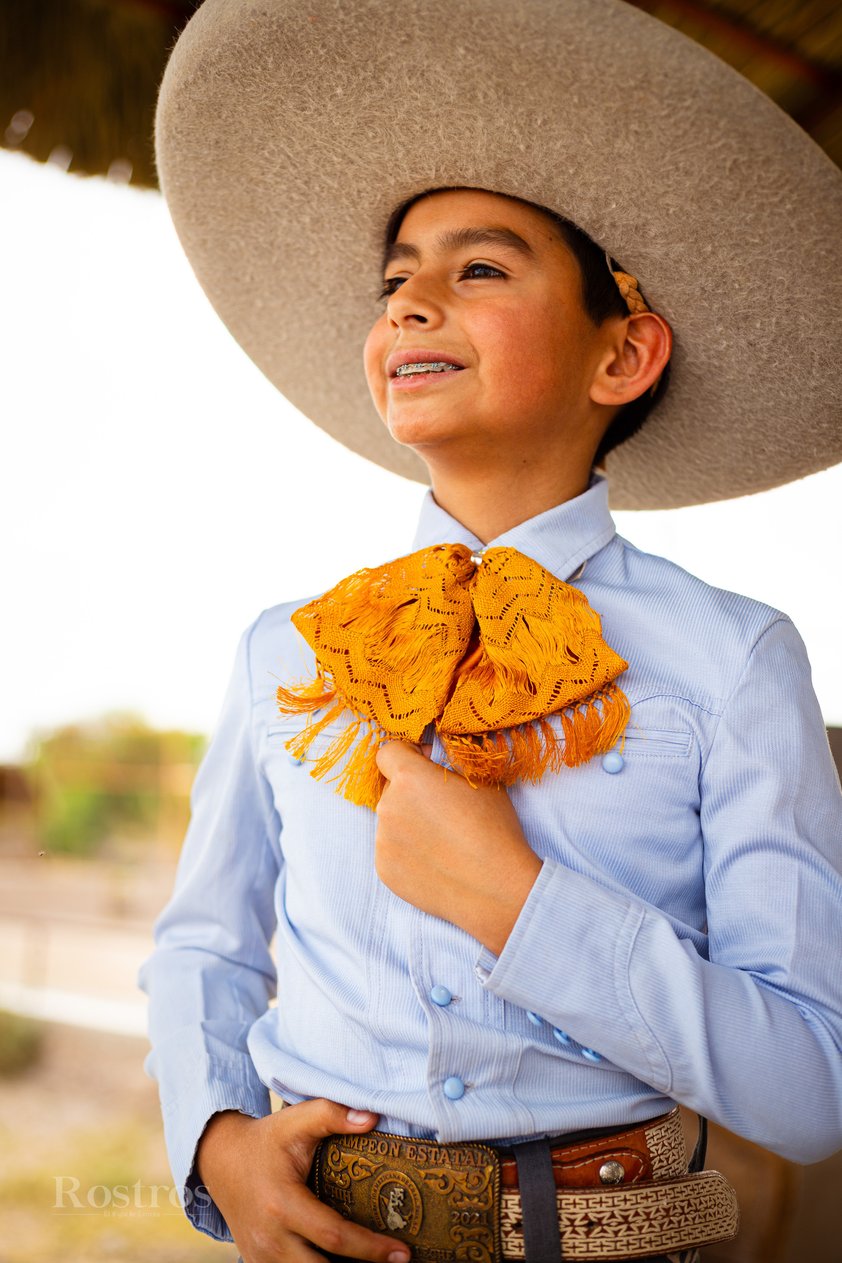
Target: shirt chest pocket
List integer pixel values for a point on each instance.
(650, 775)
(291, 770)
(637, 743)
(318, 824)
(641, 742)
(279, 735)
(648, 761)
(629, 818)
(656, 743)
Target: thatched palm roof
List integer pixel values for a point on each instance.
(78, 78)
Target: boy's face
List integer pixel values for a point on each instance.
(484, 281)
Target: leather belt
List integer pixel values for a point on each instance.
(625, 1195)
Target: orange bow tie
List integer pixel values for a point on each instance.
(483, 646)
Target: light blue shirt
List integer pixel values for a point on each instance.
(681, 942)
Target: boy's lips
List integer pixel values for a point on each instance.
(415, 380)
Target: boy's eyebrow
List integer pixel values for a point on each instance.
(457, 239)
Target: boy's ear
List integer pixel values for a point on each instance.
(638, 350)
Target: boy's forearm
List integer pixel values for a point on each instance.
(216, 1141)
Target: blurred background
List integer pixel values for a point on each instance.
(156, 495)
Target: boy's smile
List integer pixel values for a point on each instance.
(412, 366)
(482, 289)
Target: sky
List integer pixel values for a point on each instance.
(157, 492)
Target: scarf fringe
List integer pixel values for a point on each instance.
(361, 780)
(300, 699)
(527, 752)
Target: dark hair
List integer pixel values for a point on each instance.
(601, 298)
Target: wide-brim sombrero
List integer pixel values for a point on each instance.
(287, 133)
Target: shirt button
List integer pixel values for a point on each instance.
(454, 1088)
(561, 1036)
(534, 1018)
(441, 995)
(590, 1055)
(613, 762)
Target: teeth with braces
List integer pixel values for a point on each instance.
(437, 366)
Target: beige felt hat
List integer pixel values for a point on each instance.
(288, 130)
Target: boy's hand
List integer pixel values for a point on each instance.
(451, 850)
(256, 1169)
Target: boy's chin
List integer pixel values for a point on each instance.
(429, 431)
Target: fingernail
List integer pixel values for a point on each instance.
(360, 1116)
(398, 1256)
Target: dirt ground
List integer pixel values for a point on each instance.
(88, 1113)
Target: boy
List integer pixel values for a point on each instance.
(563, 960)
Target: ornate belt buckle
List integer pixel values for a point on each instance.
(442, 1200)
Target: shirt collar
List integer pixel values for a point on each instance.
(561, 539)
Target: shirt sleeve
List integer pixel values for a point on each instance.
(211, 974)
(751, 1035)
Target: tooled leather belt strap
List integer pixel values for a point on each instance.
(623, 1196)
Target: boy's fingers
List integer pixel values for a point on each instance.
(313, 1120)
(392, 755)
(294, 1251)
(304, 1215)
(327, 1229)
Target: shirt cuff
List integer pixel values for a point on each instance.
(199, 1206)
(194, 1085)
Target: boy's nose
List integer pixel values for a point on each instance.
(415, 302)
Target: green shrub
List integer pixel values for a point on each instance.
(21, 1043)
(111, 779)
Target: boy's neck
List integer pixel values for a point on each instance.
(491, 504)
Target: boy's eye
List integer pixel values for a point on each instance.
(485, 268)
(471, 272)
(390, 286)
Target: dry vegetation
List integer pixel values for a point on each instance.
(86, 1110)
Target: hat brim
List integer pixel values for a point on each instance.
(286, 135)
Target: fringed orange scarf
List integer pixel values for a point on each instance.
(485, 646)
